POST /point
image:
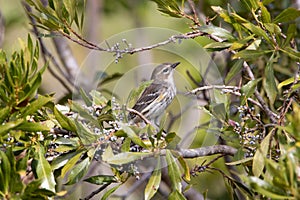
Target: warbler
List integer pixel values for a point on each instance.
(158, 95)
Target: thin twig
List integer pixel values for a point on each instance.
(139, 114)
(96, 191)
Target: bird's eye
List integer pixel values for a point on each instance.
(165, 70)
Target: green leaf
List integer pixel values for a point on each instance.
(85, 98)
(185, 166)
(35, 105)
(109, 192)
(234, 70)
(86, 136)
(131, 134)
(248, 90)
(176, 195)
(269, 81)
(84, 113)
(126, 157)
(217, 31)
(218, 45)
(172, 140)
(260, 156)
(250, 54)
(267, 189)
(33, 126)
(5, 172)
(265, 14)
(258, 31)
(78, 171)
(252, 5)
(4, 128)
(101, 179)
(109, 78)
(43, 170)
(287, 15)
(291, 32)
(64, 121)
(62, 160)
(168, 7)
(70, 164)
(4, 112)
(174, 172)
(287, 82)
(154, 181)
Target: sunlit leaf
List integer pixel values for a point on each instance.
(248, 89)
(101, 179)
(260, 156)
(127, 157)
(64, 121)
(154, 181)
(78, 171)
(287, 15)
(110, 191)
(173, 171)
(43, 170)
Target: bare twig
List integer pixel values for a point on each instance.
(139, 114)
(96, 191)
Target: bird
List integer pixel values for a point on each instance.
(157, 96)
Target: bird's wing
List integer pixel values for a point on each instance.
(151, 93)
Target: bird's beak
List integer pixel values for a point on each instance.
(175, 65)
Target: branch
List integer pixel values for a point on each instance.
(207, 151)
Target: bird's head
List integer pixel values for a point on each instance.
(164, 71)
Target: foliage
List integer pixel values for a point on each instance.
(44, 145)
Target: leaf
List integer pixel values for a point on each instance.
(267, 189)
(176, 195)
(287, 82)
(5, 172)
(64, 121)
(257, 30)
(43, 170)
(265, 14)
(62, 160)
(234, 70)
(33, 126)
(185, 166)
(218, 45)
(101, 179)
(269, 81)
(174, 172)
(168, 7)
(252, 5)
(172, 140)
(126, 157)
(70, 164)
(238, 162)
(86, 136)
(250, 54)
(4, 112)
(248, 90)
(109, 78)
(4, 128)
(78, 171)
(260, 156)
(287, 15)
(35, 105)
(217, 31)
(131, 134)
(110, 191)
(85, 98)
(154, 182)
